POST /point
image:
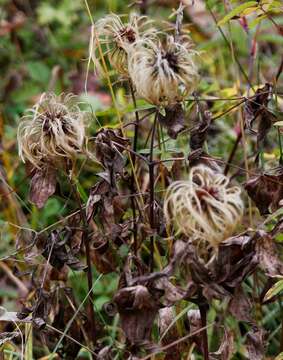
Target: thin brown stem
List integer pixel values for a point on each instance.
(232, 153)
(133, 188)
(88, 262)
(203, 312)
(151, 191)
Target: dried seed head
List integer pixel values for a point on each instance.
(204, 207)
(119, 37)
(163, 73)
(53, 129)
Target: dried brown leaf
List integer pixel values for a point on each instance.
(267, 254)
(199, 131)
(254, 106)
(137, 309)
(266, 190)
(173, 120)
(43, 185)
(226, 349)
(240, 306)
(256, 344)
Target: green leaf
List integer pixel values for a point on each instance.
(257, 20)
(237, 11)
(274, 290)
(38, 71)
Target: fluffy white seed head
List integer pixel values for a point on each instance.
(119, 37)
(52, 130)
(205, 207)
(163, 73)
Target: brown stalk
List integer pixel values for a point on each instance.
(151, 190)
(203, 307)
(133, 188)
(88, 261)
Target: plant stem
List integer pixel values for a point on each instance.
(233, 152)
(88, 262)
(203, 311)
(133, 188)
(151, 191)
(143, 7)
(28, 342)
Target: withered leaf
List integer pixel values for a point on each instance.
(108, 148)
(172, 293)
(226, 349)
(253, 107)
(256, 344)
(194, 320)
(101, 188)
(266, 190)
(235, 261)
(267, 254)
(199, 131)
(198, 157)
(103, 253)
(57, 249)
(8, 336)
(43, 185)
(41, 308)
(265, 124)
(101, 202)
(240, 306)
(105, 353)
(173, 120)
(24, 312)
(137, 309)
(166, 318)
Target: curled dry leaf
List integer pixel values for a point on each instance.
(97, 192)
(240, 306)
(253, 107)
(267, 254)
(58, 249)
(43, 185)
(226, 349)
(40, 309)
(236, 259)
(255, 344)
(166, 319)
(199, 157)
(101, 203)
(173, 120)
(105, 353)
(256, 109)
(137, 308)
(8, 336)
(103, 253)
(171, 293)
(199, 131)
(108, 149)
(266, 190)
(194, 320)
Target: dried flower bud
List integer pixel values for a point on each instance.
(204, 207)
(163, 74)
(119, 37)
(53, 129)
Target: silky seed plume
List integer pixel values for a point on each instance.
(163, 72)
(52, 130)
(205, 207)
(119, 37)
